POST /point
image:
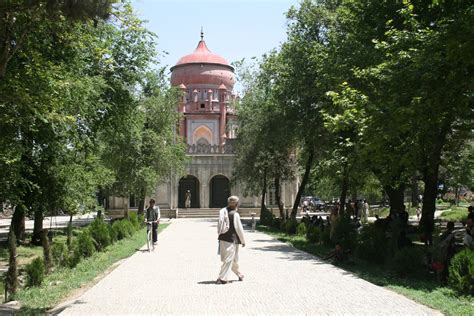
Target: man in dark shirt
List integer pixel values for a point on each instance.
(229, 240)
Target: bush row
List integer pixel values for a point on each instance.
(96, 237)
(373, 244)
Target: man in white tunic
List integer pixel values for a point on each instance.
(231, 235)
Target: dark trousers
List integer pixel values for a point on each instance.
(154, 231)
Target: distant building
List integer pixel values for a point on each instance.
(208, 126)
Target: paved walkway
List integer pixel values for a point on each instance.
(178, 278)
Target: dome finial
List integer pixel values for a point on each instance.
(202, 34)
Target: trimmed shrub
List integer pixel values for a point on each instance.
(407, 261)
(345, 233)
(84, 245)
(283, 226)
(266, 217)
(313, 234)
(124, 229)
(112, 233)
(372, 244)
(326, 236)
(461, 272)
(35, 271)
(100, 233)
(301, 229)
(133, 217)
(277, 222)
(60, 253)
(290, 226)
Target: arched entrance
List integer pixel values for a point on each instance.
(190, 183)
(219, 191)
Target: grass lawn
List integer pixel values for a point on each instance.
(455, 214)
(421, 288)
(384, 211)
(25, 254)
(59, 284)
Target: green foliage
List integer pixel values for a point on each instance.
(60, 253)
(314, 234)
(99, 231)
(124, 228)
(345, 233)
(112, 233)
(372, 244)
(455, 214)
(408, 260)
(290, 226)
(136, 220)
(35, 272)
(461, 272)
(83, 247)
(266, 217)
(301, 229)
(326, 237)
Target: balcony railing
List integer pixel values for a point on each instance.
(202, 149)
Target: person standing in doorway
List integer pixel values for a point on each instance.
(187, 199)
(153, 215)
(230, 236)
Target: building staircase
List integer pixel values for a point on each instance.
(190, 213)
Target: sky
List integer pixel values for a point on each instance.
(234, 29)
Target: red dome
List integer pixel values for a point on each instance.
(202, 55)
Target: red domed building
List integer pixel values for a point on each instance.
(208, 126)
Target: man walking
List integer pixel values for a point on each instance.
(153, 215)
(231, 235)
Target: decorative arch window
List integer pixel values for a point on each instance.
(202, 133)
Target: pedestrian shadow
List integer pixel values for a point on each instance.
(141, 250)
(212, 282)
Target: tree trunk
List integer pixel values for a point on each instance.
(141, 206)
(430, 178)
(354, 194)
(264, 192)
(344, 189)
(304, 181)
(12, 273)
(38, 227)
(141, 203)
(69, 231)
(414, 192)
(48, 262)
(18, 223)
(125, 206)
(396, 196)
(457, 195)
(278, 196)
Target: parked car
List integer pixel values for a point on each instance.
(311, 203)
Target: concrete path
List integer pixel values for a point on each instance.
(53, 222)
(178, 278)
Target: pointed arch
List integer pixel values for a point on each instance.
(203, 132)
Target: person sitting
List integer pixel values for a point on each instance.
(447, 249)
(468, 239)
(338, 255)
(470, 212)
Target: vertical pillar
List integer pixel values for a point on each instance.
(182, 110)
(223, 110)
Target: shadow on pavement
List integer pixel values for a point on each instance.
(290, 253)
(213, 282)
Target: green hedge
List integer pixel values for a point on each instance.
(461, 272)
